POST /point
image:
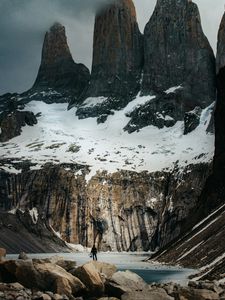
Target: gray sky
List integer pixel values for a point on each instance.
(23, 24)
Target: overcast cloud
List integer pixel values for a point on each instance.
(23, 24)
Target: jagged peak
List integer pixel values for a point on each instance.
(120, 4)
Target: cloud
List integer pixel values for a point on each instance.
(23, 24)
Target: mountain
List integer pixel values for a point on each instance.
(206, 229)
(177, 53)
(117, 57)
(179, 65)
(82, 177)
(59, 76)
(176, 65)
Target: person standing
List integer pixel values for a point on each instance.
(94, 252)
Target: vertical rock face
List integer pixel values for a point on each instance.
(120, 211)
(178, 53)
(58, 70)
(220, 57)
(117, 51)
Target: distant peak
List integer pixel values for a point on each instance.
(56, 26)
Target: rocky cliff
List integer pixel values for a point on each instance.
(117, 55)
(205, 231)
(120, 211)
(177, 53)
(179, 66)
(58, 72)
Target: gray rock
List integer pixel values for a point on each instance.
(122, 282)
(192, 120)
(178, 53)
(58, 71)
(23, 256)
(117, 54)
(158, 294)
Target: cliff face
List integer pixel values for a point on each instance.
(177, 53)
(220, 57)
(117, 53)
(58, 71)
(121, 211)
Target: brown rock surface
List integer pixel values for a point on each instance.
(89, 275)
(220, 57)
(117, 52)
(11, 124)
(121, 211)
(58, 69)
(178, 53)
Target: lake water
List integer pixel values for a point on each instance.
(128, 261)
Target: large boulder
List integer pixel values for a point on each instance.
(92, 279)
(158, 294)
(123, 282)
(44, 276)
(104, 268)
(198, 294)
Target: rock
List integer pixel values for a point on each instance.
(122, 282)
(192, 120)
(177, 53)
(220, 57)
(107, 269)
(62, 282)
(108, 298)
(45, 277)
(45, 297)
(90, 276)
(158, 294)
(12, 123)
(117, 55)
(23, 256)
(139, 224)
(67, 264)
(58, 71)
(2, 253)
(198, 294)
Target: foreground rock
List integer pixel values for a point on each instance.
(44, 280)
(123, 282)
(92, 278)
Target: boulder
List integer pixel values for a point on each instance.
(108, 298)
(2, 253)
(104, 268)
(44, 276)
(23, 256)
(158, 294)
(123, 282)
(92, 279)
(198, 294)
(59, 281)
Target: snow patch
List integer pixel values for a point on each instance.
(173, 89)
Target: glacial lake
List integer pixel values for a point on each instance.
(127, 261)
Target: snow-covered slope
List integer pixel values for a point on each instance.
(60, 137)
